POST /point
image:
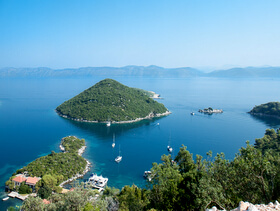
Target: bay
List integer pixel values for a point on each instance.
(30, 128)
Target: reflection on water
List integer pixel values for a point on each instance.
(271, 122)
(100, 130)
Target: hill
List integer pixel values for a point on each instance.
(248, 72)
(268, 109)
(111, 100)
(149, 71)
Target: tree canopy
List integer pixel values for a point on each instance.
(271, 109)
(110, 100)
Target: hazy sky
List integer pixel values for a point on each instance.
(168, 33)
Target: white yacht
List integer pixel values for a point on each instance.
(97, 181)
(192, 113)
(108, 124)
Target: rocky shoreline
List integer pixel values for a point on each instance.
(87, 168)
(151, 115)
(243, 206)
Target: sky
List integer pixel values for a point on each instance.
(168, 33)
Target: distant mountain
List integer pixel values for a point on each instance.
(247, 72)
(149, 71)
(113, 101)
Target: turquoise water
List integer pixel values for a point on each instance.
(30, 128)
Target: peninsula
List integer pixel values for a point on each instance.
(52, 171)
(268, 109)
(109, 100)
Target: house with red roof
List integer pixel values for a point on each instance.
(19, 179)
(31, 181)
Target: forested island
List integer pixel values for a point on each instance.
(189, 184)
(47, 174)
(268, 109)
(109, 100)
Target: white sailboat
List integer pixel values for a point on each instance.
(108, 124)
(169, 148)
(119, 157)
(113, 144)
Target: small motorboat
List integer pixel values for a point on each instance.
(169, 149)
(148, 175)
(5, 199)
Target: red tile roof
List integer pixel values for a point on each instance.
(32, 180)
(19, 179)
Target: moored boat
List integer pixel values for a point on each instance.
(113, 144)
(97, 181)
(118, 159)
(169, 149)
(6, 198)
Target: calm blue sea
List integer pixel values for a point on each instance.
(30, 128)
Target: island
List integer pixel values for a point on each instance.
(271, 109)
(210, 110)
(111, 101)
(49, 173)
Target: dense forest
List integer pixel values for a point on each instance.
(109, 100)
(189, 184)
(72, 144)
(270, 109)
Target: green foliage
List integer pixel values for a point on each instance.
(88, 207)
(33, 204)
(44, 192)
(11, 208)
(132, 198)
(110, 99)
(188, 184)
(165, 179)
(24, 189)
(65, 164)
(72, 144)
(10, 184)
(271, 109)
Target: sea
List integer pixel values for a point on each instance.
(30, 127)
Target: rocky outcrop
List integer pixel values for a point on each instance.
(246, 206)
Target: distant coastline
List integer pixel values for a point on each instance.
(150, 116)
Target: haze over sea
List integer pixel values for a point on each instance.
(30, 128)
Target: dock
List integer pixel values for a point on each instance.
(14, 194)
